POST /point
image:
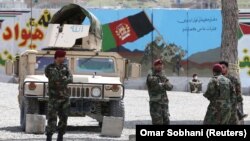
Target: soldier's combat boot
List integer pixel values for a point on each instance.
(243, 116)
(59, 137)
(49, 137)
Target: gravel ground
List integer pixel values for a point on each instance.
(185, 108)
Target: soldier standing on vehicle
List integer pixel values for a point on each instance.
(237, 105)
(220, 93)
(158, 84)
(59, 77)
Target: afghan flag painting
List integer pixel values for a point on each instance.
(244, 29)
(125, 30)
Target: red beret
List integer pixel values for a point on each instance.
(217, 68)
(158, 62)
(60, 53)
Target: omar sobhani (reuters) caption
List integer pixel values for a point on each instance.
(199, 132)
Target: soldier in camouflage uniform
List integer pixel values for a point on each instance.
(195, 84)
(59, 76)
(220, 93)
(237, 107)
(158, 84)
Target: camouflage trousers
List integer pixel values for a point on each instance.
(159, 113)
(218, 113)
(234, 119)
(60, 108)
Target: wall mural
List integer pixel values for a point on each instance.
(21, 30)
(244, 47)
(187, 40)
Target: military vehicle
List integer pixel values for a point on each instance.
(97, 89)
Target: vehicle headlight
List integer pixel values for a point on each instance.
(96, 92)
(114, 88)
(32, 86)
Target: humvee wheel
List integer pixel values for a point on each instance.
(100, 124)
(28, 106)
(23, 112)
(116, 108)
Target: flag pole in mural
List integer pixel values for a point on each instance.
(157, 31)
(125, 30)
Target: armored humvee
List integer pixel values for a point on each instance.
(97, 89)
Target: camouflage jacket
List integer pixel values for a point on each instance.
(237, 87)
(59, 77)
(220, 88)
(157, 84)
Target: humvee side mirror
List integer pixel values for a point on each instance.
(135, 70)
(8, 67)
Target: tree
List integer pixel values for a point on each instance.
(229, 44)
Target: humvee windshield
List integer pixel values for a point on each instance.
(101, 65)
(43, 61)
(82, 65)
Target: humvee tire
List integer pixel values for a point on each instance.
(116, 108)
(100, 124)
(28, 106)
